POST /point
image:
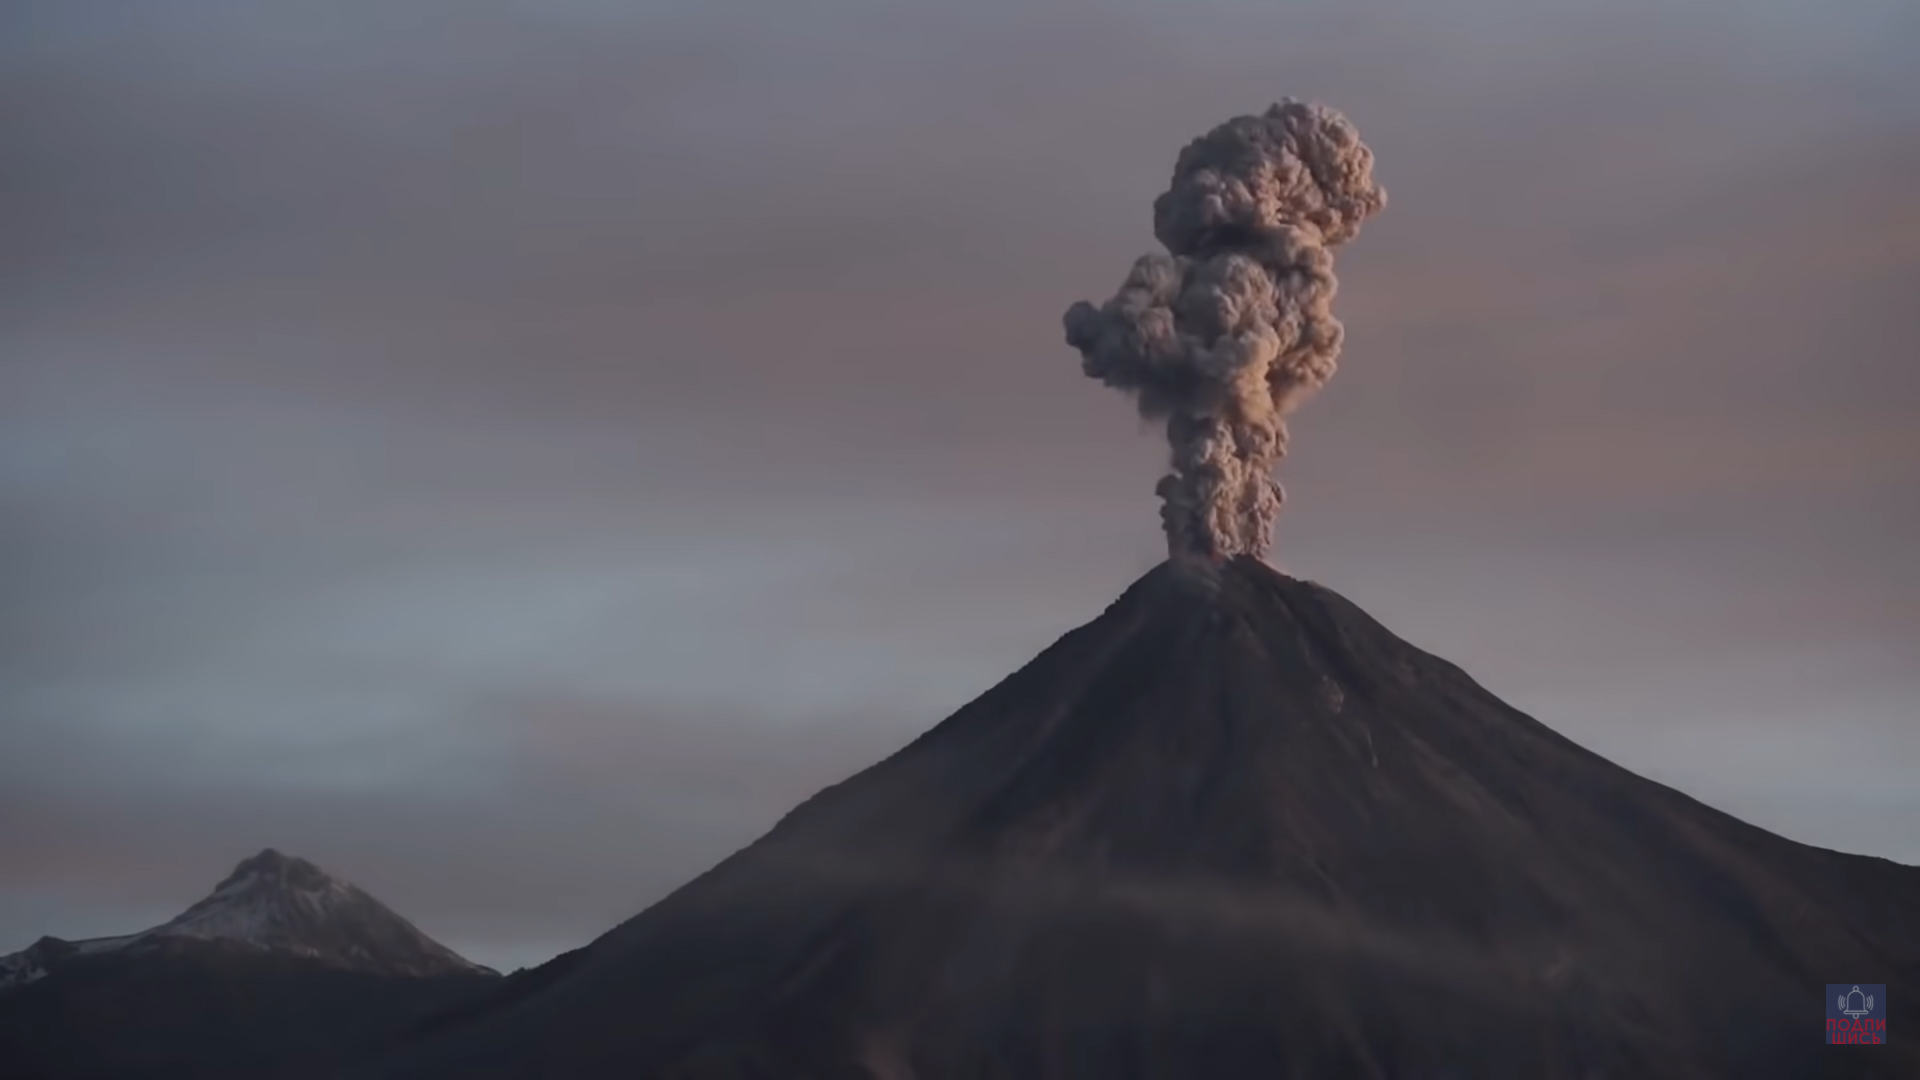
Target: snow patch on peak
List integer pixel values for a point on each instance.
(271, 901)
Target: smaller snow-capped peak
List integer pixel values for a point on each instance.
(280, 903)
(272, 901)
(277, 904)
(254, 904)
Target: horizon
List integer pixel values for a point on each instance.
(509, 459)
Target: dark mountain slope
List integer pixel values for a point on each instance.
(1231, 828)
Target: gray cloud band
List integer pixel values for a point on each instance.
(1231, 329)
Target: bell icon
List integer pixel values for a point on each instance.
(1856, 1004)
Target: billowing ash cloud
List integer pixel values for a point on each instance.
(1226, 333)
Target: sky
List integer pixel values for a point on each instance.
(509, 453)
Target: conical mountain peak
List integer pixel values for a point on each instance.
(282, 971)
(272, 867)
(282, 903)
(273, 904)
(1233, 827)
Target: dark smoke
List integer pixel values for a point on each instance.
(1226, 333)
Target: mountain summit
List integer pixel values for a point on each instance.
(272, 904)
(1231, 828)
(280, 903)
(282, 972)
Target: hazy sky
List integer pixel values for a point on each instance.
(510, 452)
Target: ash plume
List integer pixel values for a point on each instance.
(1231, 329)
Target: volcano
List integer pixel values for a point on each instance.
(273, 905)
(281, 970)
(1231, 828)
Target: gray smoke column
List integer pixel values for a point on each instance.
(1222, 336)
